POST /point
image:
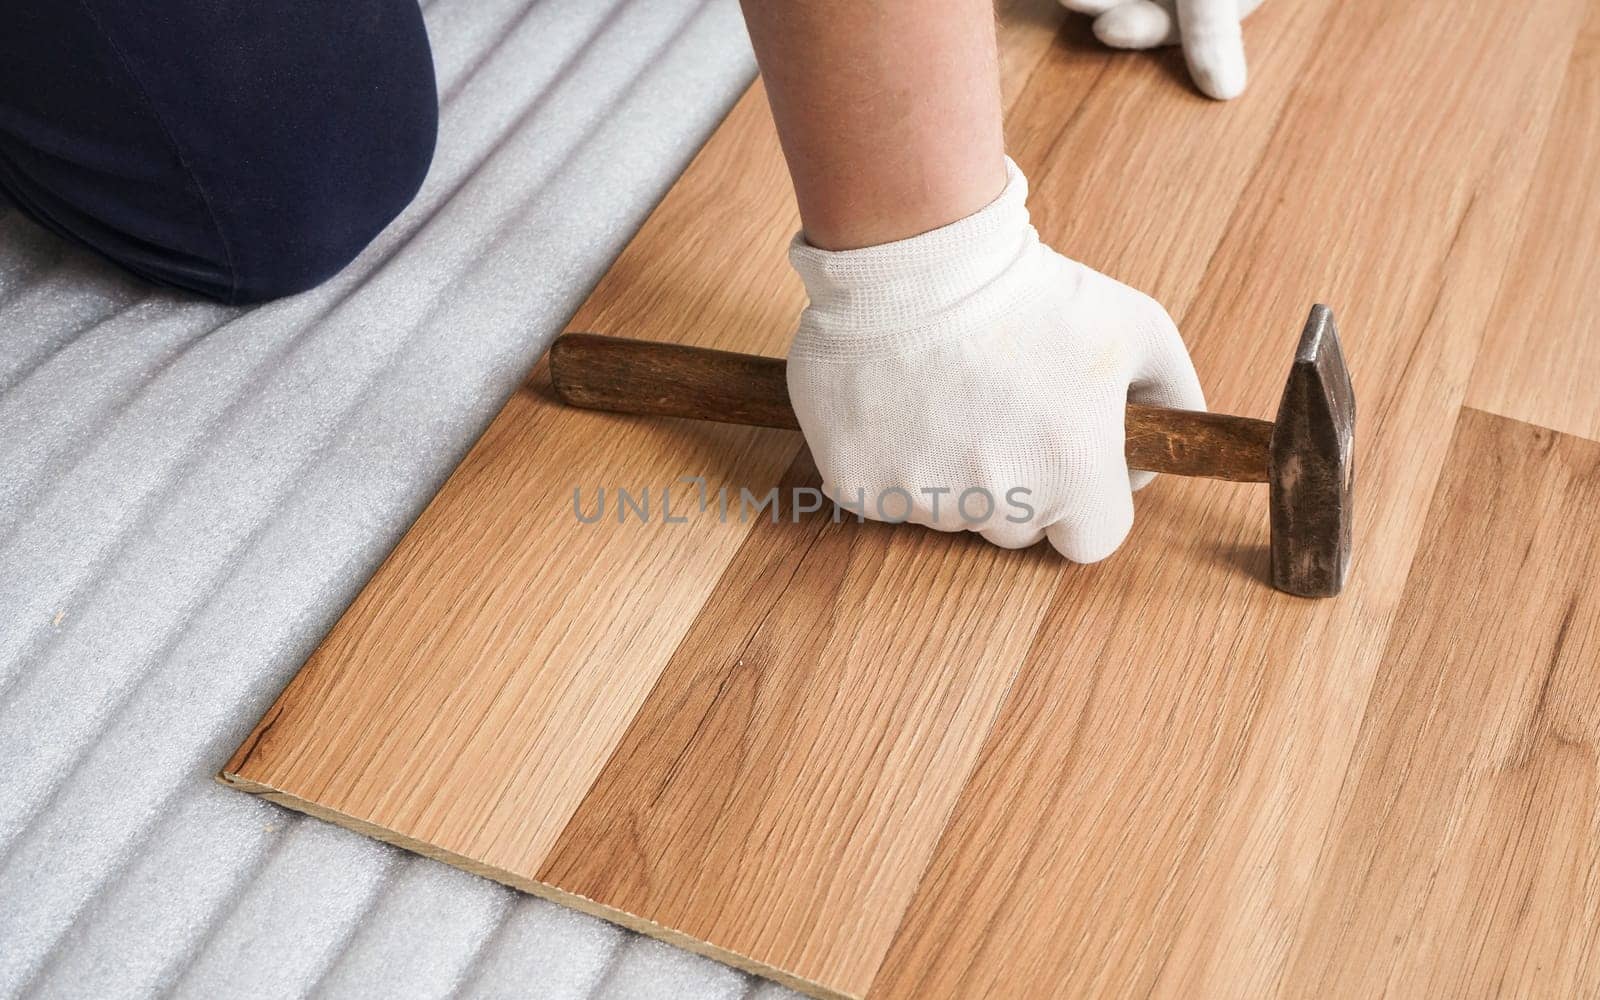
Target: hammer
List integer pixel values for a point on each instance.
(1305, 456)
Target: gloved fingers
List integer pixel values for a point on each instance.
(1138, 24)
(940, 519)
(1164, 374)
(1100, 530)
(936, 507)
(1103, 512)
(930, 506)
(1010, 535)
(1165, 378)
(1213, 45)
(1093, 8)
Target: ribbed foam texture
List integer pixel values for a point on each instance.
(190, 495)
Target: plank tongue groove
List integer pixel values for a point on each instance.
(861, 759)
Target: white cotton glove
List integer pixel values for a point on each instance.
(1208, 29)
(971, 375)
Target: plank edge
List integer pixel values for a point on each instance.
(622, 918)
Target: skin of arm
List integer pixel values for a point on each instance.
(888, 112)
(980, 360)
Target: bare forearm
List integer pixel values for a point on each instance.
(888, 110)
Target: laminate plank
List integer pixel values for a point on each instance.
(468, 698)
(783, 789)
(711, 785)
(1141, 177)
(1466, 859)
(476, 686)
(1148, 811)
(1541, 358)
(857, 757)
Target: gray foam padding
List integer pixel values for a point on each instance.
(190, 495)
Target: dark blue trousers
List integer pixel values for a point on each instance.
(240, 149)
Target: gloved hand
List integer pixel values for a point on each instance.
(1208, 29)
(971, 378)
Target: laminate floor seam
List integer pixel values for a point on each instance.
(781, 746)
(950, 814)
(120, 876)
(753, 633)
(1505, 276)
(1554, 148)
(1272, 132)
(542, 889)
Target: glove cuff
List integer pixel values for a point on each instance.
(897, 295)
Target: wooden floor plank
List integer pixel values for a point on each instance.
(797, 780)
(468, 699)
(854, 756)
(1466, 861)
(449, 645)
(1541, 359)
(447, 651)
(831, 845)
(1141, 177)
(1161, 778)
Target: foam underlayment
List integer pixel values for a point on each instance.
(190, 496)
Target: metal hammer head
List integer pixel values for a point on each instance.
(1312, 469)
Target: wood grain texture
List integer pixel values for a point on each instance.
(467, 700)
(466, 736)
(867, 760)
(803, 770)
(1541, 356)
(1161, 780)
(1466, 856)
(776, 818)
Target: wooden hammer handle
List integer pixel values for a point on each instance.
(670, 380)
